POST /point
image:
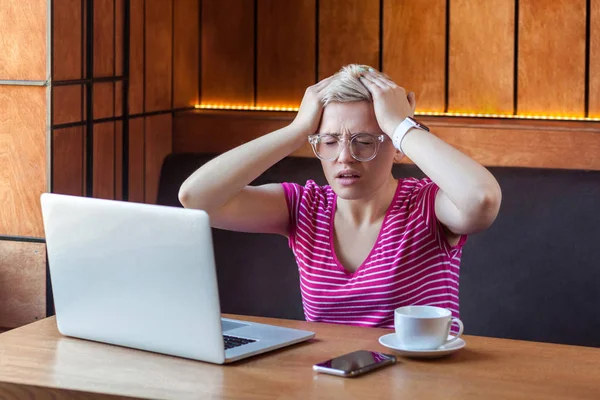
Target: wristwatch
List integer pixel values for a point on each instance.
(402, 129)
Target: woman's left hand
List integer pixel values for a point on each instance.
(391, 103)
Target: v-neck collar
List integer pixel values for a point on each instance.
(375, 245)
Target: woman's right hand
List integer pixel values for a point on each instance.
(309, 114)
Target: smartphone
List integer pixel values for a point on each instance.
(354, 364)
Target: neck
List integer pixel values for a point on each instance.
(368, 210)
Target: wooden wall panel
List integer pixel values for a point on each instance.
(136, 57)
(104, 34)
(67, 57)
(158, 54)
(227, 68)
(594, 84)
(67, 161)
(119, 8)
(22, 283)
(192, 131)
(136, 160)
(414, 50)
(118, 160)
(158, 145)
(103, 97)
(23, 27)
(512, 145)
(481, 72)
(118, 90)
(348, 34)
(104, 160)
(285, 51)
(67, 105)
(538, 144)
(551, 77)
(186, 42)
(22, 159)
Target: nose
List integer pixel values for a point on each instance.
(345, 156)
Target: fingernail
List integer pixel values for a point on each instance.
(371, 69)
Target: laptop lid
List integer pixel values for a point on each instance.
(135, 275)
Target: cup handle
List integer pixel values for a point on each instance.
(460, 330)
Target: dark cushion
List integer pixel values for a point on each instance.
(534, 275)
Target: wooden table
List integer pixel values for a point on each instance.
(36, 359)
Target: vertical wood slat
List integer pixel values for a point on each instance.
(136, 160)
(158, 144)
(414, 49)
(104, 160)
(103, 100)
(119, 27)
(551, 70)
(67, 161)
(118, 161)
(136, 57)
(348, 34)
(103, 38)
(158, 54)
(23, 39)
(104, 58)
(186, 53)
(22, 283)
(22, 159)
(481, 70)
(285, 51)
(594, 84)
(66, 46)
(67, 105)
(227, 60)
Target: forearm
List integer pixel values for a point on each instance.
(219, 180)
(465, 182)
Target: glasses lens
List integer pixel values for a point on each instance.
(364, 147)
(327, 147)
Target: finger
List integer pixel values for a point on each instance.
(412, 100)
(323, 83)
(371, 78)
(372, 87)
(384, 82)
(388, 81)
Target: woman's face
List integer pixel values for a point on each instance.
(349, 178)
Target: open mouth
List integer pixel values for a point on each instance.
(348, 173)
(347, 177)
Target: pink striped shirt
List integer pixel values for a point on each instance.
(411, 262)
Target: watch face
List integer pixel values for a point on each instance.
(419, 125)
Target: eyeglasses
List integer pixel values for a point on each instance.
(328, 146)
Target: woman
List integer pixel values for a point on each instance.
(367, 243)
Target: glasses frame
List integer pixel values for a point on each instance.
(314, 140)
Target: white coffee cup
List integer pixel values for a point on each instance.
(424, 327)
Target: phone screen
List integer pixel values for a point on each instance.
(355, 363)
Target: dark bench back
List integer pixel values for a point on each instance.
(534, 275)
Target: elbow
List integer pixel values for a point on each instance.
(485, 207)
(185, 196)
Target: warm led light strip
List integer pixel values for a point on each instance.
(245, 108)
(434, 114)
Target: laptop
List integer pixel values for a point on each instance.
(143, 276)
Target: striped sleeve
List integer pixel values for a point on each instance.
(422, 204)
(293, 197)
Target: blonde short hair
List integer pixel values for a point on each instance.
(346, 86)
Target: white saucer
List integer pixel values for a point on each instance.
(391, 342)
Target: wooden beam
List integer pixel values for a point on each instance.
(491, 142)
